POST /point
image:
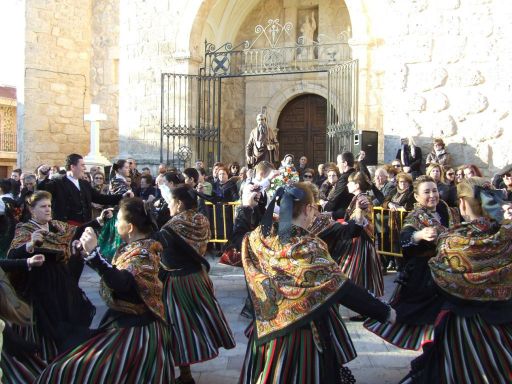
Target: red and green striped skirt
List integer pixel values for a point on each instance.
(405, 336)
(361, 263)
(117, 355)
(198, 325)
(466, 350)
(30, 333)
(298, 358)
(20, 370)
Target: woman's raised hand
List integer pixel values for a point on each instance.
(89, 240)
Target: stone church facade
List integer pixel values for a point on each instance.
(427, 68)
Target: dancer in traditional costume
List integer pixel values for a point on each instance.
(132, 344)
(415, 299)
(62, 312)
(358, 257)
(298, 335)
(473, 272)
(19, 363)
(199, 327)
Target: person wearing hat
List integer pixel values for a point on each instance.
(298, 335)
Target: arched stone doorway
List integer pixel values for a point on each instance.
(302, 128)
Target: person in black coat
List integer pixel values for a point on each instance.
(72, 196)
(339, 198)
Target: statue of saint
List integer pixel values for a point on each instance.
(262, 144)
(308, 28)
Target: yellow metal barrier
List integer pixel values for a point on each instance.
(387, 226)
(222, 217)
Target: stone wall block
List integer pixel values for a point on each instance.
(437, 101)
(445, 4)
(449, 49)
(424, 77)
(62, 100)
(410, 6)
(415, 103)
(414, 49)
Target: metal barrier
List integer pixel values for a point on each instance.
(387, 226)
(222, 217)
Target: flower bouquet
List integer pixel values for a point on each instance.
(286, 176)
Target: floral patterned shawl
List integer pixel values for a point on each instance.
(368, 214)
(141, 258)
(288, 283)
(474, 261)
(57, 239)
(193, 227)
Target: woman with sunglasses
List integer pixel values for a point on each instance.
(308, 175)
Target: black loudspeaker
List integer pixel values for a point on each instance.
(367, 141)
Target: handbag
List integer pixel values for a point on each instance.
(231, 257)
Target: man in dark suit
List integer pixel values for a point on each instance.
(72, 196)
(339, 198)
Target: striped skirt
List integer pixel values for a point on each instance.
(361, 263)
(198, 325)
(297, 358)
(20, 370)
(405, 336)
(117, 356)
(30, 333)
(466, 350)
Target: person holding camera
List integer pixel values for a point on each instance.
(62, 312)
(415, 299)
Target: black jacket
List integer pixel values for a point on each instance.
(339, 198)
(69, 203)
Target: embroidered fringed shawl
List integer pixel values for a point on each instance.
(140, 258)
(349, 214)
(474, 261)
(193, 228)
(422, 217)
(57, 239)
(288, 283)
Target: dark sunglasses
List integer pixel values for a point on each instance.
(450, 174)
(508, 174)
(397, 166)
(308, 176)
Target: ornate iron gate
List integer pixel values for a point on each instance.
(191, 104)
(190, 118)
(342, 102)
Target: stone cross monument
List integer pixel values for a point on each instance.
(95, 157)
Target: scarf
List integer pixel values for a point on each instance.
(58, 238)
(288, 283)
(473, 261)
(118, 186)
(193, 228)
(141, 258)
(422, 217)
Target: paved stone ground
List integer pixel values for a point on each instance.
(377, 363)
